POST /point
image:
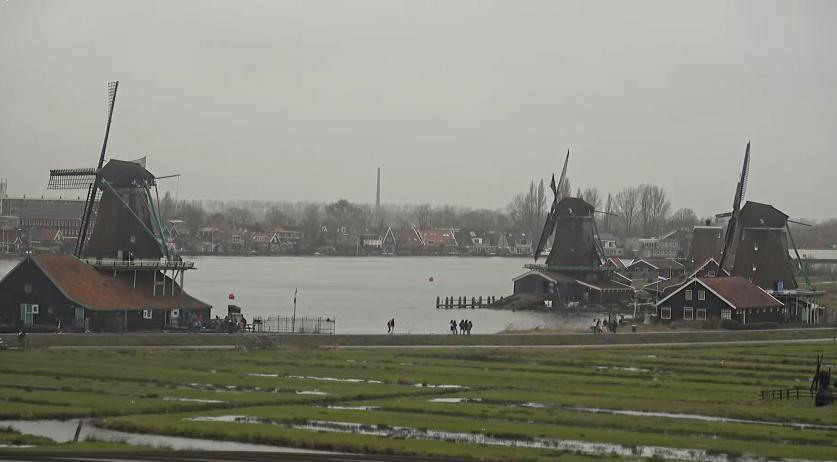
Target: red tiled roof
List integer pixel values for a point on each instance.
(98, 291)
(740, 292)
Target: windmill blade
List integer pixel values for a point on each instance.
(606, 213)
(745, 173)
(816, 382)
(71, 178)
(563, 176)
(723, 215)
(95, 186)
(800, 223)
(798, 258)
(548, 227)
(729, 238)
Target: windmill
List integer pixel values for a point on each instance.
(551, 217)
(757, 241)
(120, 217)
(572, 225)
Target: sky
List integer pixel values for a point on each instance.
(459, 102)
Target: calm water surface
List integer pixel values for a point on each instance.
(362, 293)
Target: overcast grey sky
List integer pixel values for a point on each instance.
(459, 102)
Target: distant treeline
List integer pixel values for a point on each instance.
(634, 211)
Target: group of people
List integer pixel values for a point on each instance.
(463, 328)
(391, 326)
(600, 325)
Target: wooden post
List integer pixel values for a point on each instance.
(437, 302)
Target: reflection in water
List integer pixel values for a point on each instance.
(63, 431)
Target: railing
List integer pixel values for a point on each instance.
(290, 325)
(455, 303)
(112, 263)
(787, 393)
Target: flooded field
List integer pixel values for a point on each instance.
(673, 403)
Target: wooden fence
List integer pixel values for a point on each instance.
(455, 303)
(787, 393)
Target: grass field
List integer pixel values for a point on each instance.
(509, 403)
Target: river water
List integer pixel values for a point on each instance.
(362, 293)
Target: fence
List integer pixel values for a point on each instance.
(787, 393)
(289, 325)
(452, 303)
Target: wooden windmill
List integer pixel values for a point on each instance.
(757, 241)
(572, 226)
(120, 219)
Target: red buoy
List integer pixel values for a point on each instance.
(231, 296)
(431, 279)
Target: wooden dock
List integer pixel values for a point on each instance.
(463, 302)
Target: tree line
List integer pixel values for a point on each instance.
(642, 210)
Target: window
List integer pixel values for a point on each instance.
(31, 309)
(688, 313)
(726, 314)
(27, 288)
(665, 312)
(711, 274)
(701, 295)
(701, 314)
(146, 314)
(688, 295)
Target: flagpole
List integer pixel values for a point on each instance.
(293, 319)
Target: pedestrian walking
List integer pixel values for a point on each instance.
(470, 326)
(453, 327)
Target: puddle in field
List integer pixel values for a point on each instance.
(456, 400)
(16, 446)
(675, 415)
(625, 369)
(322, 379)
(63, 431)
(704, 418)
(584, 447)
(224, 418)
(311, 392)
(449, 387)
(353, 408)
(193, 400)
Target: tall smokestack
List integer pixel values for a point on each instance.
(378, 196)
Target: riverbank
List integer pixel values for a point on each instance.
(174, 340)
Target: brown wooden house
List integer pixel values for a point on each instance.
(45, 290)
(720, 298)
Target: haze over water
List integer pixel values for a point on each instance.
(362, 293)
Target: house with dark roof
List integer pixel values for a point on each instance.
(720, 298)
(651, 269)
(45, 291)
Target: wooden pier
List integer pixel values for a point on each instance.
(463, 302)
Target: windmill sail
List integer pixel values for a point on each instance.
(732, 225)
(551, 218)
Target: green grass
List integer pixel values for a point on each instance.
(157, 391)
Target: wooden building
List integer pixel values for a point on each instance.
(720, 298)
(45, 291)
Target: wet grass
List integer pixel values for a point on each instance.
(518, 394)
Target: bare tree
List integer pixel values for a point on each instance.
(683, 219)
(626, 204)
(421, 214)
(654, 208)
(591, 196)
(566, 189)
(528, 210)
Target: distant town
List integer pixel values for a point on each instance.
(637, 223)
